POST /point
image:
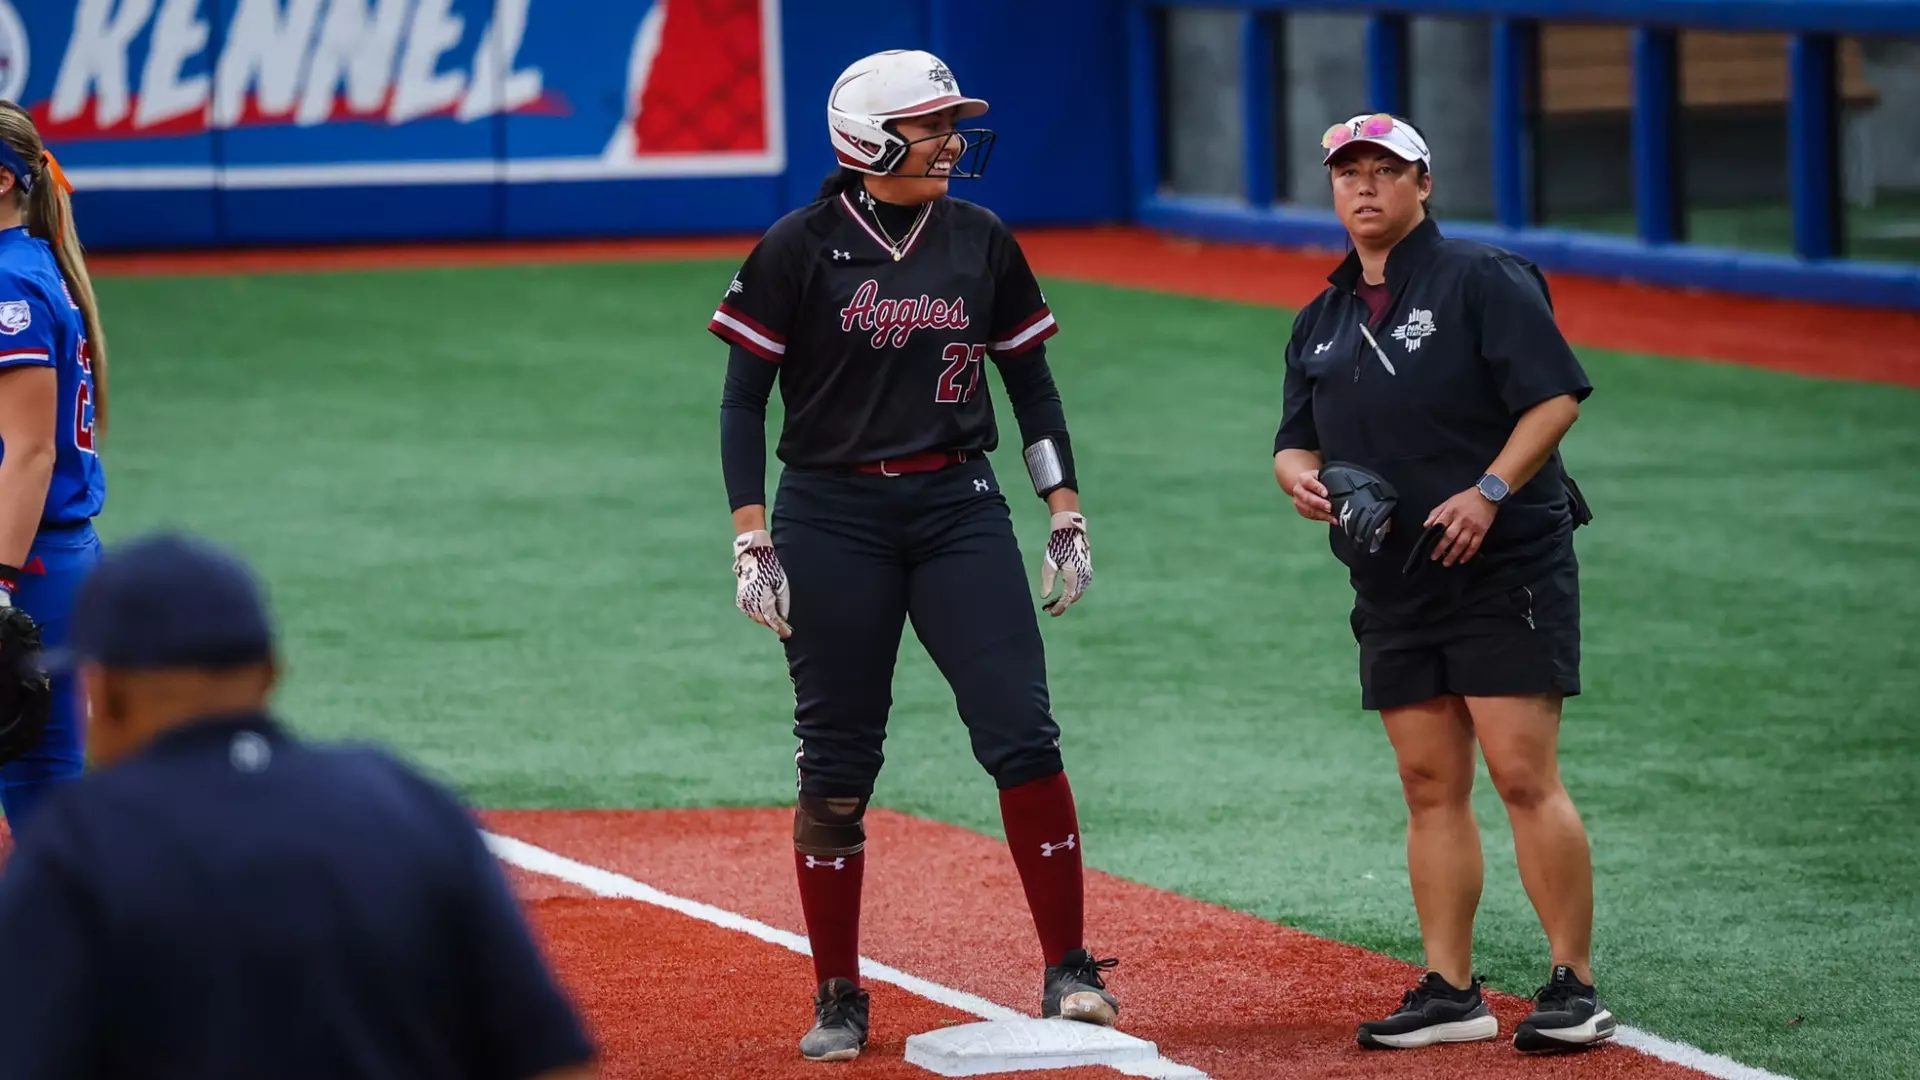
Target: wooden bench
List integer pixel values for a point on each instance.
(1589, 69)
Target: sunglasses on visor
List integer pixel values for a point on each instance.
(1379, 125)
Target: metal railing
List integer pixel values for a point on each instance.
(1817, 269)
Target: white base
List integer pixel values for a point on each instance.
(1003, 1046)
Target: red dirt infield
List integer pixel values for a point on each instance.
(1230, 994)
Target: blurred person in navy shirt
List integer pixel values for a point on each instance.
(221, 899)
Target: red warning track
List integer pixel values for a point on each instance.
(1809, 339)
(1227, 993)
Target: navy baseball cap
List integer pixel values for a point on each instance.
(167, 600)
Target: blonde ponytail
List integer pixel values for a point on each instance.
(49, 216)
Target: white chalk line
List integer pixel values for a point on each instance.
(609, 884)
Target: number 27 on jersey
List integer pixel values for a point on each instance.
(962, 376)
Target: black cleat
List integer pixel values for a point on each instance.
(1432, 1012)
(1074, 990)
(1567, 1015)
(839, 1023)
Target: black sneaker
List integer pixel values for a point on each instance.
(839, 1023)
(1074, 990)
(1567, 1015)
(1432, 1012)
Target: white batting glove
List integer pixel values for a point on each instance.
(1070, 559)
(761, 588)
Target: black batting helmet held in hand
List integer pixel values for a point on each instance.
(1362, 501)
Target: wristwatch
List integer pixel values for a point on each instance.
(1492, 488)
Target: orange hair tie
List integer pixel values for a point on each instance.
(54, 170)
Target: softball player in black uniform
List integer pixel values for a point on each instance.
(875, 308)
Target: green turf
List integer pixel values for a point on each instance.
(489, 506)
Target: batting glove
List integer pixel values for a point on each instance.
(761, 588)
(1070, 559)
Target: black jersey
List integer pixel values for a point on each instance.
(880, 356)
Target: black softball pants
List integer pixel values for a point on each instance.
(862, 554)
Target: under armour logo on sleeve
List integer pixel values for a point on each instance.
(826, 864)
(1047, 850)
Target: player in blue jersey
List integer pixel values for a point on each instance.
(53, 379)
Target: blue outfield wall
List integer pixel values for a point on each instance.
(198, 123)
(1678, 266)
(204, 123)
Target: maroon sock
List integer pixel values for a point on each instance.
(830, 899)
(1044, 833)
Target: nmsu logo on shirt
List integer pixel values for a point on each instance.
(892, 322)
(13, 54)
(1418, 327)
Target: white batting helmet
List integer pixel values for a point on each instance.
(876, 90)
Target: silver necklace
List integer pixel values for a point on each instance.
(897, 247)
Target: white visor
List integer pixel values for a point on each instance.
(1400, 137)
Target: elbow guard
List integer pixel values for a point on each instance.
(1050, 465)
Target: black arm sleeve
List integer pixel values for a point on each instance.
(743, 427)
(1036, 406)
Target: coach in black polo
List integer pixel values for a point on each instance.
(222, 900)
(1426, 394)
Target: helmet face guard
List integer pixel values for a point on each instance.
(886, 157)
(969, 162)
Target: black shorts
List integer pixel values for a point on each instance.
(1522, 640)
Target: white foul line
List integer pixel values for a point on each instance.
(1691, 1057)
(607, 883)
